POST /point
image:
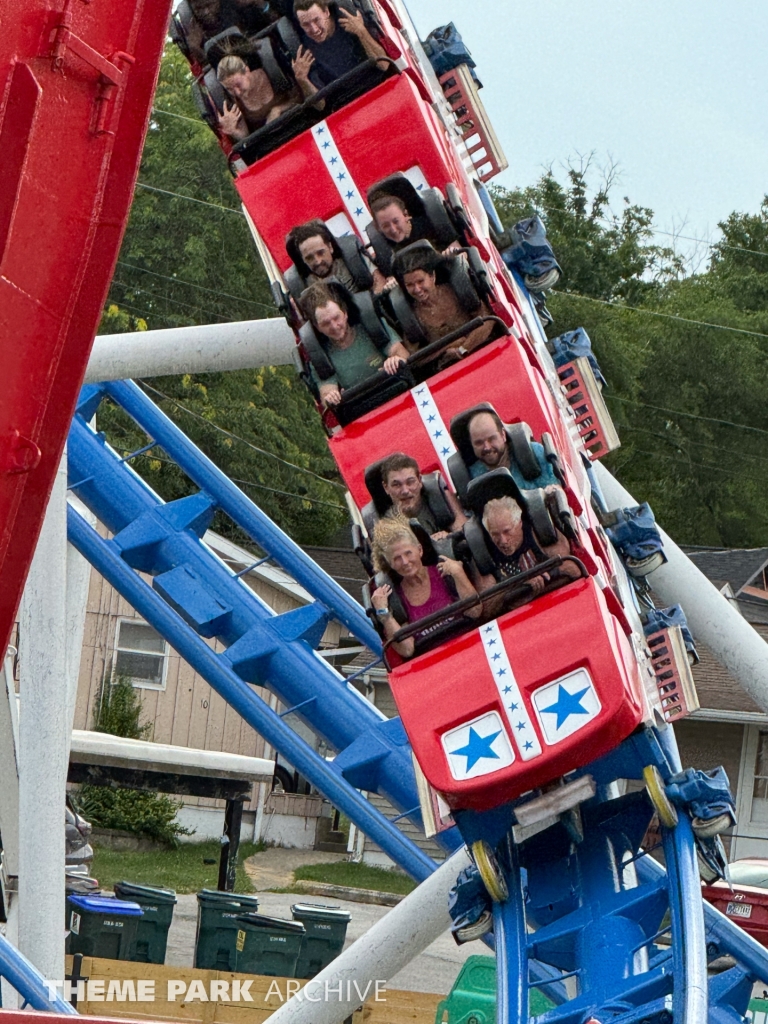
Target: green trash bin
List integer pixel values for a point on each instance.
(101, 926)
(758, 1011)
(152, 932)
(268, 945)
(326, 930)
(217, 927)
(472, 1000)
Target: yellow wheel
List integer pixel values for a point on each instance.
(490, 872)
(658, 794)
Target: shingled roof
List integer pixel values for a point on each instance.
(738, 566)
(342, 565)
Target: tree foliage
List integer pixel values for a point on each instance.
(685, 355)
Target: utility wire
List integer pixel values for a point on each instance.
(190, 199)
(140, 289)
(236, 437)
(193, 284)
(689, 415)
(688, 440)
(703, 241)
(666, 316)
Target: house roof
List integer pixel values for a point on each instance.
(736, 565)
(343, 566)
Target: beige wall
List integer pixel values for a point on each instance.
(187, 713)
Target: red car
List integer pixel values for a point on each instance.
(745, 900)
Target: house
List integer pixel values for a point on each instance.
(730, 729)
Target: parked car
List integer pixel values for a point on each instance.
(745, 900)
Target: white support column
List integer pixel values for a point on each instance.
(43, 743)
(9, 813)
(386, 948)
(77, 584)
(711, 617)
(202, 349)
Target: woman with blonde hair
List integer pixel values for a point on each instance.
(423, 589)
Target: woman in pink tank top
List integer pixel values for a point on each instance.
(423, 589)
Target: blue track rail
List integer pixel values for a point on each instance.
(28, 981)
(584, 910)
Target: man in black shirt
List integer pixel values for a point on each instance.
(403, 485)
(332, 44)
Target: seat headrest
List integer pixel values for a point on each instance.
(375, 485)
(498, 483)
(459, 429)
(397, 185)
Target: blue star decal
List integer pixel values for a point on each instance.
(437, 433)
(520, 725)
(477, 748)
(430, 418)
(425, 403)
(445, 451)
(501, 672)
(359, 211)
(496, 656)
(327, 145)
(333, 160)
(320, 130)
(489, 629)
(350, 194)
(340, 176)
(567, 704)
(492, 642)
(420, 391)
(528, 745)
(513, 706)
(507, 689)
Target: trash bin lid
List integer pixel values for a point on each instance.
(320, 912)
(217, 896)
(106, 905)
(153, 893)
(274, 924)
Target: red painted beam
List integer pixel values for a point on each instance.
(76, 87)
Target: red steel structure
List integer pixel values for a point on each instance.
(76, 87)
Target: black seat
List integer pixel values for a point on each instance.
(435, 489)
(427, 208)
(534, 504)
(519, 438)
(349, 248)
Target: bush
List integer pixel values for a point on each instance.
(137, 811)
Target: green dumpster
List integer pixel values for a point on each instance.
(268, 945)
(472, 1000)
(758, 1011)
(101, 926)
(326, 929)
(217, 927)
(152, 931)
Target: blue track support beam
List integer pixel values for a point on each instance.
(28, 981)
(105, 557)
(242, 510)
(689, 948)
(262, 647)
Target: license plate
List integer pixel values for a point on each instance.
(739, 910)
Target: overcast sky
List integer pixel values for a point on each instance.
(672, 90)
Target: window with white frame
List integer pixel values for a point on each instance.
(141, 654)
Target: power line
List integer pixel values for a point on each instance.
(168, 298)
(699, 444)
(703, 241)
(666, 316)
(236, 437)
(192, 284)
(190, 199)
(689, 415)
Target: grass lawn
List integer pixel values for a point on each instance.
(358, 876)
(183, 869)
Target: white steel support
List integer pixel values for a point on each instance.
(405, 932)
(710, 615)
(77, 584)
(204, 349)
(43, 743)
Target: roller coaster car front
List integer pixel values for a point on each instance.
(523, 699)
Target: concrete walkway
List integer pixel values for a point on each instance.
(273, 868)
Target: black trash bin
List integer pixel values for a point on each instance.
(268, 945)
(100, 926)
(152, 932)
(217, 927)
(326, 930)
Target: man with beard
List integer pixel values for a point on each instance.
(490, 445)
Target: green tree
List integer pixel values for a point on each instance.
(118, 708)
